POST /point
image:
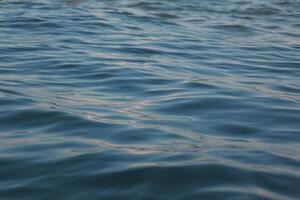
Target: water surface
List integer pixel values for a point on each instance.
(156, 99)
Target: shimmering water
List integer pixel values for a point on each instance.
(156, 99)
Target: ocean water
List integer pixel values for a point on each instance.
(156, 99)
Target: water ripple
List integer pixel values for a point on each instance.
(149, 99)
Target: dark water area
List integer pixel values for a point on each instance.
(157, 99)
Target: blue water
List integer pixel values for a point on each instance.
(156, 99)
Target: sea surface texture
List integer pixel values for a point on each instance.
(154, 100)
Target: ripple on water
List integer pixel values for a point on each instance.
(149, 99)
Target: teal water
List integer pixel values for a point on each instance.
(135, 99)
